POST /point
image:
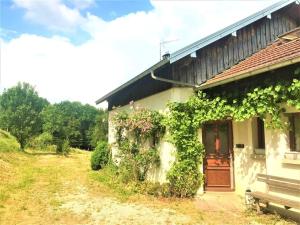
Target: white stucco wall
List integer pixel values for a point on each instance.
(157, 102)
(277, 145)
(247, 164)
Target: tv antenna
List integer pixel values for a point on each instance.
(162, 45)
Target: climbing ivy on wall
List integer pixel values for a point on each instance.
(138, 132)
(185, 177)
(137, 136)
(185, 119)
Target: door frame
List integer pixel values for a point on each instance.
(231, 156)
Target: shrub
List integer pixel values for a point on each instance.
(63, 147)
(155, 189)
(100, 156)
(135, 161)
(43, 141)
(127, 170)
(185, 178)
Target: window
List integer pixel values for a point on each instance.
(295, 132)
(216, 138)
(260, 133)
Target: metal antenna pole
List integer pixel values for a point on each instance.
(162, 43)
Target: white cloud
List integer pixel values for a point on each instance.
(117, 50)
(53, 14)
(82, 4)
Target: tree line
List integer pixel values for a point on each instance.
(31, 118)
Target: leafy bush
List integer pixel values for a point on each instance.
(100, 156)
(185, 178)
(126, 170)
(110, 176)
(42, 142)
(135, 161)
(145, 160)
(66, 147)
(8, 142)
(155, 189)
(63, 147)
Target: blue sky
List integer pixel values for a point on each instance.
(109, 10)
(79, 50)
(14, 23)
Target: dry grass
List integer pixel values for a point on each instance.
(50, 189)
(8, 143)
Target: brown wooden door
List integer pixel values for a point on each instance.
(217, 138)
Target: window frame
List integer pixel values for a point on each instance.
(260, 129)
(258, 137)
(292, 133)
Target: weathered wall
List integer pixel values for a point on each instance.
(277, 145)
(247, 164)
(157, 102)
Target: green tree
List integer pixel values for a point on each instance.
(88, 121)
(70, 121)
(99, 131)
(20, 109)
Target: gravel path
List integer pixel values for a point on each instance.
(46, 189)
(107, 210)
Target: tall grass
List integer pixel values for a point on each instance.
(8, 143)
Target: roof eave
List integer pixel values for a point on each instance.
(245, 74)
(141, 75)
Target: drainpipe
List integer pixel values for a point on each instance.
(173, 81)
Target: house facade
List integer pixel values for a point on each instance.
(264, 46)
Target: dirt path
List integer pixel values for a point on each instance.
(51, 189)
(58, 190)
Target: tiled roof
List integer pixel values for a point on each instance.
(285, 48)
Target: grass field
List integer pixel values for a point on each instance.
(45, 188)
(8, 143)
